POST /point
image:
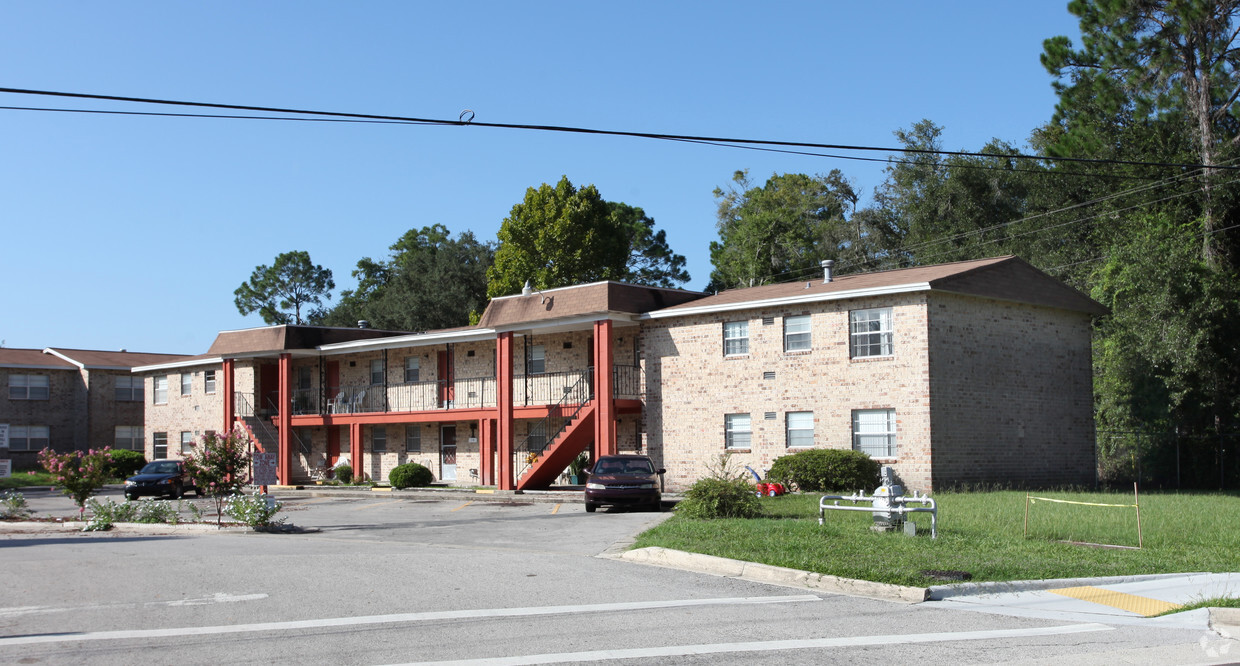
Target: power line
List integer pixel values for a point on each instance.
(584, 130)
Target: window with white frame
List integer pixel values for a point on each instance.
(305, 378)
(800, 429)
(187, 383)
(413, 369)
(29, 387)
(736, 431)
(874, 432)
(378, 439)
(797, 333)
(128, 438)
(735, 338)
(377, 371)
(159, 442)
(413, 438)
(128, 388)
(208, 381)
(187, 442)
(161, 390)
(538, 360)
(29, 437)
(870, 332)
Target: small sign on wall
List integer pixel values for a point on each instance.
(6, 468)
(4, 435)
(264, 469)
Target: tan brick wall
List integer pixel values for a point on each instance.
(195, 413)
(1013, 394)
(691, 386)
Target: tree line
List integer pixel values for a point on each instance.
(1152, 87)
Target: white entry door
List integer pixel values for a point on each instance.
(447, 453)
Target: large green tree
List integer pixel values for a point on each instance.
(1163, 58)
(780, 231)
(279, 292)
(563, 235)
(430, 280)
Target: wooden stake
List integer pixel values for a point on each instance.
(1137, 502)
(1026, 514)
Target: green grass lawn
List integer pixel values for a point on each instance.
(22, 478)
(980, 533)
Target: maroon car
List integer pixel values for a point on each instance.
(624, 481)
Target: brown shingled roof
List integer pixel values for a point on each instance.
(35, 358)
(288, 338)
(582, 300)
(1004, 278)
(115, 359)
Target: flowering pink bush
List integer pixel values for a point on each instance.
(78, 475)
(220, 466)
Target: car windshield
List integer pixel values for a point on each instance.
(623, 466)
(160, 468)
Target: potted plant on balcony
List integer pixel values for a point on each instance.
(577, 473)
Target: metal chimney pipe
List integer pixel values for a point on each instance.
(527, 290)
(827, 265)
(362, 323)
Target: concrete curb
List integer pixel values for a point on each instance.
(32, 526)
(941, 592)
(765, 573)
(1226, 622)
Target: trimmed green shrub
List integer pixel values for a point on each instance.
(344, 474)
(720, 498)
(410, 475)
(124, 463)
(826, 469)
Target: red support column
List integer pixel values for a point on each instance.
(486, 451)
(284, 428)
(604, 391)
(503, 397)
(230, 400)
(355, 449)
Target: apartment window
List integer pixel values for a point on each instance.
(187, 442)
(800, 428)
(874, 432)
(378, 439)
(413, 369)
(735, 338)
(159, 441)
(538, 360)
(377, 371)
(870, 332)
(161, 390)
(208, 380)
(187, 383)
(128, 438)
(537, 440)
(304, 375)
(413, 438)
(29, 387)
(29, 438)
(128, 388)
(797, 333)
(736, 431)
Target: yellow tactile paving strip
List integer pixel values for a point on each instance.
(1143, 606)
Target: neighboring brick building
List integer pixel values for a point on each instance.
(973, 372)
(70, 399)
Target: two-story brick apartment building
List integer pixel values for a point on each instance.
(71, 399)
(973, 372)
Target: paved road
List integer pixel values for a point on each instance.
(390, 580)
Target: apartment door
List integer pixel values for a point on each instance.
(447, 453)
(447, 392)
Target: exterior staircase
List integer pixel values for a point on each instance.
(577, 436)
(262, 432)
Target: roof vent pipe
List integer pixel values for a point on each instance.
(527, 289)
(827, 265)
(362, 323)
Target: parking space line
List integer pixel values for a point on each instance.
(371, 506)
(1132, 603)
(556, 509)
(461, 507)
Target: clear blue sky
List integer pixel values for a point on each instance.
(133, 232)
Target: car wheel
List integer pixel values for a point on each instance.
(590, 507)
(131, 498)
(176, 492)
(197, 492)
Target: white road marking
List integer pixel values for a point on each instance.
(68, 637)
(768, 646)
(217, 598)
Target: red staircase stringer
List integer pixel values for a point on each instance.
(576, 438)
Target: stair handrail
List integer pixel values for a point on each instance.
(584, 385)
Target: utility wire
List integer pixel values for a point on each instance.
(585, 130)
